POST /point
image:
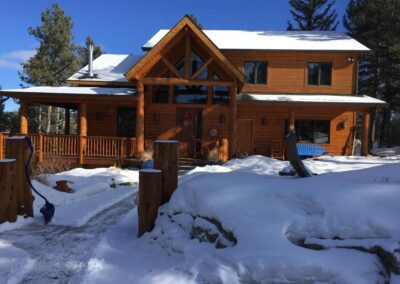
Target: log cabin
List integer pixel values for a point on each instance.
(220, 93)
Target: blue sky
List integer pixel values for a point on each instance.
(122, 26)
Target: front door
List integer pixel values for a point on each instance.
(190, 132)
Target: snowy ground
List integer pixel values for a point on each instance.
(236, 223)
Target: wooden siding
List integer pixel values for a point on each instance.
(274, 127)
(287, 71)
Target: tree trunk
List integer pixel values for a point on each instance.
(48, 125)
(372, 128)
(39, 129)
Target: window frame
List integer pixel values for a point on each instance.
(255, 78)
(297, 124)
(319, 74)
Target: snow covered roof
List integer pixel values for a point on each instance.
(295, 98)
(108, 68)
(275, 40)
(74, 91)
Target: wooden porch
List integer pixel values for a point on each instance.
(80, 150)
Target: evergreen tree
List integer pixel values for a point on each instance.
(376, 24)
(83, 51)
(313, 15)
(196, 21)
(55, 59)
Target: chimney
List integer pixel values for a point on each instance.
(91, 61)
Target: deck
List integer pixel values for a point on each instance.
(81, 150)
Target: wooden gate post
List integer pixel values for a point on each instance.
(8, 194)
(16, 148)
(150, 186)
(1, 145)
(166, 154)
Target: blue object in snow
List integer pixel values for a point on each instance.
(309, 150)
(149, 164)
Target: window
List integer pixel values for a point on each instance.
(313, 131)
(160, 94)
(195, 63)
(190, 95)
(255, 72)
(319, 73)
(220, 93)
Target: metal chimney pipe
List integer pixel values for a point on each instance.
(91, 48)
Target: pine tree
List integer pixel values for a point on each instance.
(55, 59)
(83, 51)
(376, 24)
(313, 15)
(3, 118)
(196, 21)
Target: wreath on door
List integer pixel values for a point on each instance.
(186, 119)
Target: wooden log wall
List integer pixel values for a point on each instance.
(287, 71)
(274, 117)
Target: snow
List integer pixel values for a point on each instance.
(275, 40)
(14, 263)
(289, 98)
(234, 223)
(108, 68)
(74, 90)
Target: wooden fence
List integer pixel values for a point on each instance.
(81, 147)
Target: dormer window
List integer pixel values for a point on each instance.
(255, 72)
(319, 73)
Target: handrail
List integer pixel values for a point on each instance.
(75, 146)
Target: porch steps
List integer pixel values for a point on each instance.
(186, 164)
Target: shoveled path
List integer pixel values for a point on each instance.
(62, 251)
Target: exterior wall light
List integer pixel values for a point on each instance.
(222, 118)
(156, 117)
(264, 121)
(350, 59)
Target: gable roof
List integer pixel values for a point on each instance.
(275, 40)
(153, 56)
(107, 68)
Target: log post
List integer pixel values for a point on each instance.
(1, 145)
(23, 114)
(8, 202)
(40, 154)
(82, 131)
(140, 119)
(233, 123)
(150, 186)
(364, 134)
(291, 124)
(166, 154)
(67, 122)
(223, 153)
(16, 148)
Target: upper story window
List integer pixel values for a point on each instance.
(255, 72)
(190, 94)
(160, 94)
(195, 63)
(319, 73)
(220, 93)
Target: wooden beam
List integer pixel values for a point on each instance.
(82, 130)
(176, 81)
(171, 67)
(364, 133)
(23, 114)
(140, 119)
(67, 123)
(188, 49)
(204, 66)
(233, 123)
(291, 125)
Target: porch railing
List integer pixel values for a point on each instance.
(80, 147)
